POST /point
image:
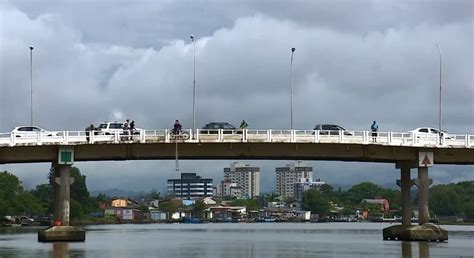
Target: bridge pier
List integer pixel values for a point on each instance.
(425, 231)
(61, 230)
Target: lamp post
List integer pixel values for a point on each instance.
(291, 101)
(194, 85)
(440, 67)
(31, 83)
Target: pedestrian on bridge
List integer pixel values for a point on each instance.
(243, 125)
(374, 129)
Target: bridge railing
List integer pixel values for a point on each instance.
(238, 135)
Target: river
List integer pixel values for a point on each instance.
(230, 240)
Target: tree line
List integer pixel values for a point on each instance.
(445, 200)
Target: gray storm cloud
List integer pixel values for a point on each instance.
(350, 68)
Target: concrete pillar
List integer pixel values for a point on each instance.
(405, 184)
(406, 249)
(423, 249)
(423, 183)
(64, 181)
(56, 197)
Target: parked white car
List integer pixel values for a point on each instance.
(109, 128)
(429, 132)
(31, 131)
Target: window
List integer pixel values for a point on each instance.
(423, 130)
(116, 125)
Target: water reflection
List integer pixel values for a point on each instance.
(423, 249)
(61, 250)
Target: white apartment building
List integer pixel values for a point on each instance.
(227, 188)
(246, 177)
(305, 185)
(287, 176)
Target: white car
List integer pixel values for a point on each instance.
(109, 128)
(429, 132)
(31, 131)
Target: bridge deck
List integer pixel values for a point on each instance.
(246, 144)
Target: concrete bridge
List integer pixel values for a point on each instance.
(404, 150)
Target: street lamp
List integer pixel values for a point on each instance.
(440, 66)
(291, 73)
(31, 81)
(194, 85)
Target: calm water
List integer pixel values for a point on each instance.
(236, 240)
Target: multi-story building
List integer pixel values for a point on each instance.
(304, 185)
(190, 186)
(246, 177)
(287, 176)
(227, 188)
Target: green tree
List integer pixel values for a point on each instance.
(249, 204)
(444, 200)
(29, 205)
(365, 190)
(199, 208)
(314, 201)
(44, 194)
(169, 207)
(10, 189)
(469, 211)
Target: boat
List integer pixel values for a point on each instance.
(190, 220)
(267, 219)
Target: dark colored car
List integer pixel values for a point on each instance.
(330, 129)
(212, 128)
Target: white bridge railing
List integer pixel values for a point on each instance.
(246, 136)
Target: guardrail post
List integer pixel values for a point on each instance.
(65, 137)
(365, 138)
(292, 135)
(316, 136)
(220, 136)
(12, 139)
(117, 136)
(167, 136)
(269, 135)
(197, 134)
(413, 135)
(244, 135)
(91, 136)
(39, 139)
(341, 136)
(467, 140)
(142, 136)
(390, 137)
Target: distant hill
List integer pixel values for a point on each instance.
(115, 193)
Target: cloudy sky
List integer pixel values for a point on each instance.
(355, 61)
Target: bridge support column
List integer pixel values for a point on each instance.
(423, 183)
(424, 231)
(405, 184)
(61, 230)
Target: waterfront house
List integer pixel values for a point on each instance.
(156, 215)
(382, 203)
(122, 202)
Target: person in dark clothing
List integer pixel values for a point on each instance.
(89, 130)
(177, 127)
(374, 129)
(243, 125)
(132, 126)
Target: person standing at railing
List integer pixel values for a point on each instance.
(243, 126)
(374, 129)
(89, 130)
(126, 128)
(177, 127)
(132, 126)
